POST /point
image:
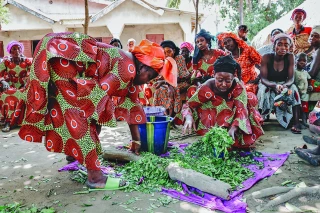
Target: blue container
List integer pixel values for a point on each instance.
(154, 134)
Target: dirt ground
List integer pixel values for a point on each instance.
(28, 175)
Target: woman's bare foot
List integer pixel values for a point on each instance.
(6, 127)
(96, 179)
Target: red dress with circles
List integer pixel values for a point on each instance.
(72, 81)
(238, 110)
(12, 100)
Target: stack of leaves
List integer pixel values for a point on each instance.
(149, 174)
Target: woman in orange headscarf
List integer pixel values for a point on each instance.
(246, 56)
(69, 98)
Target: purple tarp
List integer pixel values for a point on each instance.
(234, 204)
(189, 194)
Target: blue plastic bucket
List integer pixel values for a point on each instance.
(154, 134)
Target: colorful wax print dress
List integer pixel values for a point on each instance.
(12, 100)
(72, 81)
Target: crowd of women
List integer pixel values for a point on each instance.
(75, 85)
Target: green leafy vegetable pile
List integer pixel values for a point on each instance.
(149, 174)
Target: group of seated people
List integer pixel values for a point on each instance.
(67, 96)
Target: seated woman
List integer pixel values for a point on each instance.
(300, 33)
(246, 56)
(14, 73)
(186, 49)
(223, 101)
(69, 95)
(277, 77)
(203, 60)
(166, 95)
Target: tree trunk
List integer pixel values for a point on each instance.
(197, 18)
(249, 5)
(241, 11)
(86, 19)
(269, 4)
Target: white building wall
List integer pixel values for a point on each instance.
(138, 32)
(21, 20)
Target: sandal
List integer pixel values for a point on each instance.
(111, 184)
(311, 140)
(314, 160)
(294, 130)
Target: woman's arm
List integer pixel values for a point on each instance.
(290, 80)
(315, 65)
(264, 72)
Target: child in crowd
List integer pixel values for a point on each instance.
(301, 77)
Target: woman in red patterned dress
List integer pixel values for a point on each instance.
(246, 56)
(203, 60)
(223, 101)
(14, 71)
(69, 97)
(186, 49)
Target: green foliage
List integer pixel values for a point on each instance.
(260, 16)
(173, 3)
(18, 208)
(201, 156)
(4, 14)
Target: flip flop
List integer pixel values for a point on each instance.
(314, 160)
(111, 184)
(294, 130)
(311, 140)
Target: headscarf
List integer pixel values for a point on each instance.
(187, 45)
(316, 29)
(116, 40)
(13, 43)
(274, 30)
(281, 35)
(197, 53)
(226, 64)
(172, 45)
(242, 44)
(152, 55)
(131, 39)
(299, 11)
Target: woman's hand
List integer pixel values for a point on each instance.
(309, 89)
(5, 85)
(158, 84)
(188, 124)
(280, 88)
(232, 132)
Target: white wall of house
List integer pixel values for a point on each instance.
(128, 20)
(21, 20)
(138, 32)
(131, 13)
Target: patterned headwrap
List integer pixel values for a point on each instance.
(240, 42)
(152, 55)
(197, 53)
(281, 35)
(13, 43)
(316, 29)
(299, 11)
(226, 64)
(187, 45)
